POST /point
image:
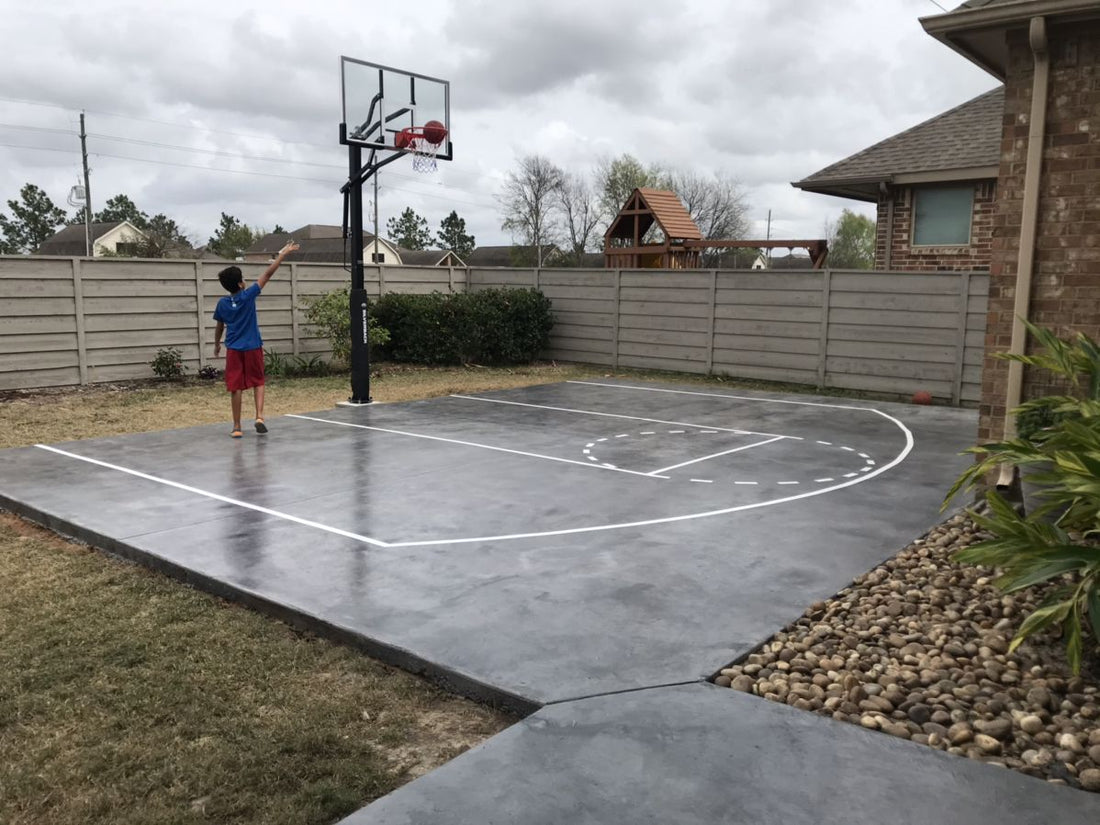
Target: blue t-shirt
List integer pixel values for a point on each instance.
(238, 313)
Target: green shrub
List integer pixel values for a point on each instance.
(329, 315)
(168, 364)
(278, 365)
(1058, 449)
(494, 326)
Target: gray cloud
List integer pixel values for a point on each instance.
(766, 92)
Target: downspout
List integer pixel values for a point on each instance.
(888, 254)
(1037, 37)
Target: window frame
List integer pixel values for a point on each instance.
(915, 193)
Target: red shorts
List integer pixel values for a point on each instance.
(244, 368)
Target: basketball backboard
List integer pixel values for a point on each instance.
(379, 101)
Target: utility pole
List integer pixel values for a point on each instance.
(87, 191)
(769, 237)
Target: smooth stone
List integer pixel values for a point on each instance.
(997, 728)
(1031, 724)
(1090, 779)
(743, 683)
(987, 743)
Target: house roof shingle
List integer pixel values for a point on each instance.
(967, 137)
(70, 240)
(422, 257)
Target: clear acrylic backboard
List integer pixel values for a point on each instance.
(380, 101)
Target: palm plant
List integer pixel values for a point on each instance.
(1062, 456)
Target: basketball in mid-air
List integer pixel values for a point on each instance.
(435, 132)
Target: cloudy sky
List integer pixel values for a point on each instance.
(199, 107)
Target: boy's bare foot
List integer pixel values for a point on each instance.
(261, 427)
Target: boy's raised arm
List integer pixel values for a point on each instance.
(286, 250)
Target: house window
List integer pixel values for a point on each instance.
(378, 257)
(941, 217)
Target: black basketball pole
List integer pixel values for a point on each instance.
(358, 305)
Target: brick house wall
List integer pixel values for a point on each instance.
(1066, 280)
(905, 257)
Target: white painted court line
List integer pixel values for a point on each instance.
(715, 455)
(786, 482)
(703, 480)
(748, 483)
(733, 398)
(822, 480)
(218, 497)
(617, 415)
(909, 443)
(473, 444)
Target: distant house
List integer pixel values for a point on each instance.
(110, 238)
(323, 243)
(512, 256)
(935, 186)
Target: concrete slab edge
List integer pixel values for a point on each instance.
(398, 657)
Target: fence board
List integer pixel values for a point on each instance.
(777, 281)
(758, 343)
(35, 288)
(767, 298)
(663, 279)
(779, 360)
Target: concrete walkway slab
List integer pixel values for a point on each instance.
(699, 755)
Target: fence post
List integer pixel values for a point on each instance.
(381, 281)
(78, 308)
(200, 326)
(823, 343)
(615, 320)
(960, 338)
(294, 344)
(710, 336)
(451, 280)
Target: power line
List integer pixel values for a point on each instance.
(215, 152)
(36, 128)
(327, 147)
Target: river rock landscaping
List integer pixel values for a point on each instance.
(918, 648)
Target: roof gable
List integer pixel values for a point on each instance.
(656, 205)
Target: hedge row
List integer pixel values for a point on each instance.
(493, 326)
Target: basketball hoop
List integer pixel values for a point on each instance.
(424, 142)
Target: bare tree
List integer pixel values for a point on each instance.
(580, 212)
(529, 199)
(716, 204)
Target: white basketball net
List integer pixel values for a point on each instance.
(424, 155)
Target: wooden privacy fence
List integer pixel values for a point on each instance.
(89, 320)
(894, 332)
(81, 320)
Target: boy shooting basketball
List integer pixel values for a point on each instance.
(244, 354)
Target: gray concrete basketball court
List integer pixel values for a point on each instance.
(538, 547)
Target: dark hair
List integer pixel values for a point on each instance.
(231, 278)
